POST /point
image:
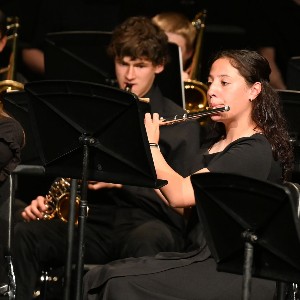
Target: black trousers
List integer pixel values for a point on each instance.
(112, 232)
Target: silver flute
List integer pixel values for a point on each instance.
(193, 116)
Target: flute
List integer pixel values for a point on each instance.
(192, 116)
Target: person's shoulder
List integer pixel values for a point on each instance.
(11, 129)
(257, 140)
(9, 122)
(262, 140)
(260, 137)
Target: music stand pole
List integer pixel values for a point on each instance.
(86, 141)
(249, 238)
(71, 220)
(253, 211)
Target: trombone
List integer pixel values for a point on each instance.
(9, 84)
(195, 91)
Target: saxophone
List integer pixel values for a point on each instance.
(58, 200)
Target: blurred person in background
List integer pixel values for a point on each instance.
(274, 32)
(180, 31)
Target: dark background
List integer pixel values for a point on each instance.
(225, 25)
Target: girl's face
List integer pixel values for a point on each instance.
(228, 87)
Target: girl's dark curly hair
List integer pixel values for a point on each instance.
(267, 111)
(138, 37)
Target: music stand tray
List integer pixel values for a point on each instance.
(231, 205)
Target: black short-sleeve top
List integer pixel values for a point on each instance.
(249, 156)
(11, 143)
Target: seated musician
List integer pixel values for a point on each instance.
(251, 139)
(123, 221)
(11, 142)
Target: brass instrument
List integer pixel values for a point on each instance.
(128, 89)
(9, 84)
(58, 200)
(193, 116)
(195, 91)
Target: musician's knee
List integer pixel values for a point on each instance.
(150, 238)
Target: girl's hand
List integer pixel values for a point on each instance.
(96, 185)
(152, 127)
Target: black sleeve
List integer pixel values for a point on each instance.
(11, 142)
(6, 154)
(248, 156)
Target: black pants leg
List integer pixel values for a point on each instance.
(149, 238)
(40, 244)
(35, 245)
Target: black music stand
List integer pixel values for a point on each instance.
(91, 132)
(79, 55)
(82, 55)
(290, 101)
(293, 73)
(170, 80)
(251, 226)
